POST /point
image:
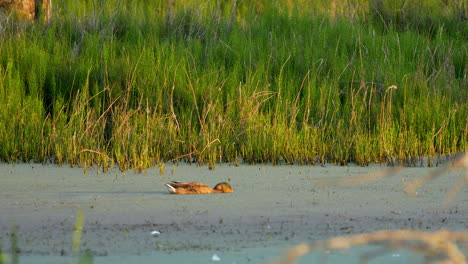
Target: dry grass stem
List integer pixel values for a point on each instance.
(437, 247)
(460, 163)
(361, 179)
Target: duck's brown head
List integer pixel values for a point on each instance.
(223, 187)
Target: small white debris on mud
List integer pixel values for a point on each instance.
(215, 257)
(155, 233)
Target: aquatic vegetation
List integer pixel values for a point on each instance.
(77, 231)
(138, 84)
(82, 257)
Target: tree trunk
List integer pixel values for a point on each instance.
(29, 9)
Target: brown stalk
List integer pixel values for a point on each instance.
(461, 162)
(439, 246)
(360, 179)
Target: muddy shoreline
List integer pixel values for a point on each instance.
(273, 207)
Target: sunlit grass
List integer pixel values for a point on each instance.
(138, 84)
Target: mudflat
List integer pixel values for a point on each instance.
(271, 208)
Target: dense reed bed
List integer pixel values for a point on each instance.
(142, 83)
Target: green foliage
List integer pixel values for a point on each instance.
(140, 83)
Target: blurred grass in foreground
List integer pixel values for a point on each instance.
(441, 246)
(141, 83)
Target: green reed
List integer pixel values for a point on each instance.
(141, 83)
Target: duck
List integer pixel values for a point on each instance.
(177, 187)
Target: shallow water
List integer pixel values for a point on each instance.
(272, 208)
(249, 255)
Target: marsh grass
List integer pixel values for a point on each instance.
(140, 84)
(85, 257)
(15, 251)
(77, 232)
